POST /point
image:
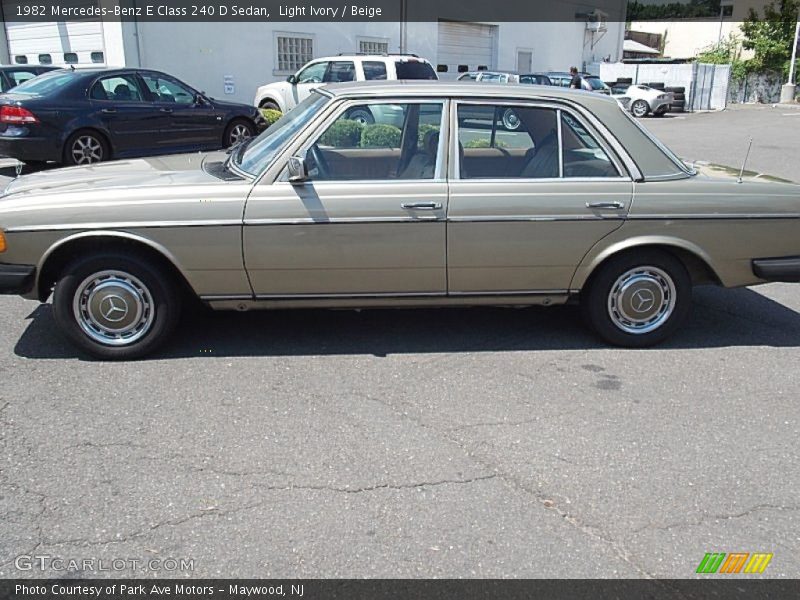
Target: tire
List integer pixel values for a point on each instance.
(657, 86)
(625, 80)
(677, 109)
(95, 295)
(511, 120)
(639, 108)
(237, 131)
(361, 115)
(86, 147)
(269, 104)
(656, 280)
(679, 97)
(676, 90)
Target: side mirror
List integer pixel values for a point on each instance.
(298, 170)
(292, 79)
(199, 99)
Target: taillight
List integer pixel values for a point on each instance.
(16, 114)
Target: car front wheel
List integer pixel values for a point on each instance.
(638, 300)
(116, 306)
(238, 131)
(640, 108)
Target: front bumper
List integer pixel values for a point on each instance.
(16, 279)
(778, 269)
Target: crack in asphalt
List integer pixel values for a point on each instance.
(722, 517)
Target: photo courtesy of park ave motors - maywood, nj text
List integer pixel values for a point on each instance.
(450, 298)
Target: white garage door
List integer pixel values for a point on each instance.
(470, 46)
(54, 42)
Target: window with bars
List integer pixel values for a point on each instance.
(373, 47)
(294, 52)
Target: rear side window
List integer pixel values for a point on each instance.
(119, 88)
(20, 76)
(340, 71)
(45, 84)
(374, 70)
(407, 69)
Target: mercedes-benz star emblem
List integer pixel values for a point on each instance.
(643, 300)
(113, 308)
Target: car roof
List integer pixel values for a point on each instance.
(422, 87)
(357, 56)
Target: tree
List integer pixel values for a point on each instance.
(771, 38)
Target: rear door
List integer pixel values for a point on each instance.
(133, 121)
(530, 194)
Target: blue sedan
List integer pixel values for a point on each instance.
(84, 116)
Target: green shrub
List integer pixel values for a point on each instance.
(484, 143)
(378, 135)
(344, 133)
(270, 115)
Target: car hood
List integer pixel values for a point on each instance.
(140, 172)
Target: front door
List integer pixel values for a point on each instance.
(532, 192)
(369, 221)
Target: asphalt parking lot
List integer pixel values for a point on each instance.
(428, 443)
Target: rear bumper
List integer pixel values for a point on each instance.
(30, 148)
(16, 279)
(778, 269)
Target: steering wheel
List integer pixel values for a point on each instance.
(312, 80)
(319, 159)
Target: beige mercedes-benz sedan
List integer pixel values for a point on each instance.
(457, 194)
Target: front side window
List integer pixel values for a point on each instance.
(498, 141)
(313, 73)
(256, 155)
(293, 52)
(168, 90)
(395, 142)
(340, 71)
(374, 70)
(119, 88)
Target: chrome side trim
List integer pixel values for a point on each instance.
(427, 218)
(215, 297)
(125, 225)
(346, 296)
(513, 293)
(513, 218)
(560, 145)
(713, 217)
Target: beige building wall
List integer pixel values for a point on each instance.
(684, 39)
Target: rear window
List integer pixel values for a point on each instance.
(414, 70)
(594, 83)
(45, 83)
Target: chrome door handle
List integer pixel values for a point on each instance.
(421, 206)
(611, 205)
(166, 110)
(109, 110)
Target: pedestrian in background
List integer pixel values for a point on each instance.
(575, 84)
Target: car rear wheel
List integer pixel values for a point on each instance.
(84, 148)
(116, 306)
(638, 300)
(639, 108)
(238, 131)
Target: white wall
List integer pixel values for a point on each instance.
(684, 39)
(202, 54)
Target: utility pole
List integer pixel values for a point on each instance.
(789, 88)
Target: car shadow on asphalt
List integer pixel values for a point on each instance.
(719, 318)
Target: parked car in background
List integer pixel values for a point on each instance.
(589, 83)
(12, 76)
(505, 77)
(83, 116)
(285, 95)
(452, 208)
(642, 100)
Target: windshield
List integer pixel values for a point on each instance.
(45, 83)
(260, 152)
